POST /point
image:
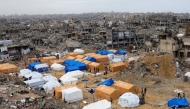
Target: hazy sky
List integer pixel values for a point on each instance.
(8, 7)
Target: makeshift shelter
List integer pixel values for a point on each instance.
(123, 52)
(89, 54)
(108, 82)
(90, 59)
(71, 68)
(57, 61)
(49, 78)
(93, 65)
(57, 91)
(104, 52)
(102, 104)
(41, 67)
(68, 80)
(117, 66)
(78, 59)
(73, 54)
(102, 59)
(34, 75)
(106, 92)
(31, 60)
(80, 56)
(50, 85)
(87, 63)
(177, 103)
(70, 58)
(72, 65)
(32, 65)
(24, 72)
(124, 87)
(72, 94)
(57, 67)
(47, 59)
(80, 51)
(75, 74)
(128, 100)
(8, 68)
(113, 51)
(35, 83)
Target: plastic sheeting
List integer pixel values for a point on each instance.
(102, 104)
(24, 72)
(123, 52)
(57, 67)
(68, 80)
(107, 82)
(50, 85)
(90, 59)
(104, 52)
(75, 74)
(32, 65)
(49, 78)
(34, 75)
(177, 103)
(35, 83)
(187, 74)
(80, 51)
(41, 67)
(72, 94)
(128, 100)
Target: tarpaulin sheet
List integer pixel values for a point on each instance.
(177, 102)
(32, 65)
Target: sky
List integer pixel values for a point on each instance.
(31, 7)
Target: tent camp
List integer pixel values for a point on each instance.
(57, 67)
(176, 103)
(32, 65)
(102, 104)
(108, 82)
(68, 80)
(80, 51)
(57, 91)
(72, 94)
(8, 68)
(106, 92)
(117, 66)
(128, 100)
(75, 74)
(124, 87)
(47, 59)
(41, 67)
(49, 78)
(35, 83)
(58, 61)
(50, 85)
(34, 75)
(93, 65)
(87, 63)
(24, 72)
(73, 54)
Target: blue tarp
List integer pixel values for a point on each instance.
(178, 102)
(71, 68)
(104, 52)
(72, 65)
(90, 59)
(32, 65)
(123, 52)
(44, 69)
(107, 82)
(82, 66)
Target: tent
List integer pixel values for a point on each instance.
(90, 59)
(32, 65)
(124, 87)
(81, 66)
(106, 92)
(187, 74)
(177, 103)
(75, 74)
(80, 51)
(102, 59)
(47, 59)
(41, 67)
(87, 63)
(57, 67)
(104, 52)
(128, 100)
(102, 104)
(123, 52)
(49, 78)
(72, 65)
(89, 54)
(32, 60)
(80, 56)
(50, 85)
(73, 54)
(34, 75)
(108, 82)
(117, 66)
(93, 65)
(79, 59)
(57, 91)
(71, 68)
(35, 83)
(58, 61)
(68, 80)
(8, 68)
(70, 58)
(24, 72)
(72, 94)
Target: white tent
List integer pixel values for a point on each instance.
(102, 104)
(128, 100)
(24, 72)
(72, 94)
(50, 85)
(34, 75)
(49, 78)
(57, 67)
(41, 66)
(117, 60)
(75, 74)
(35, 83)
(68, 80)
(187, 74)
(80, 51)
